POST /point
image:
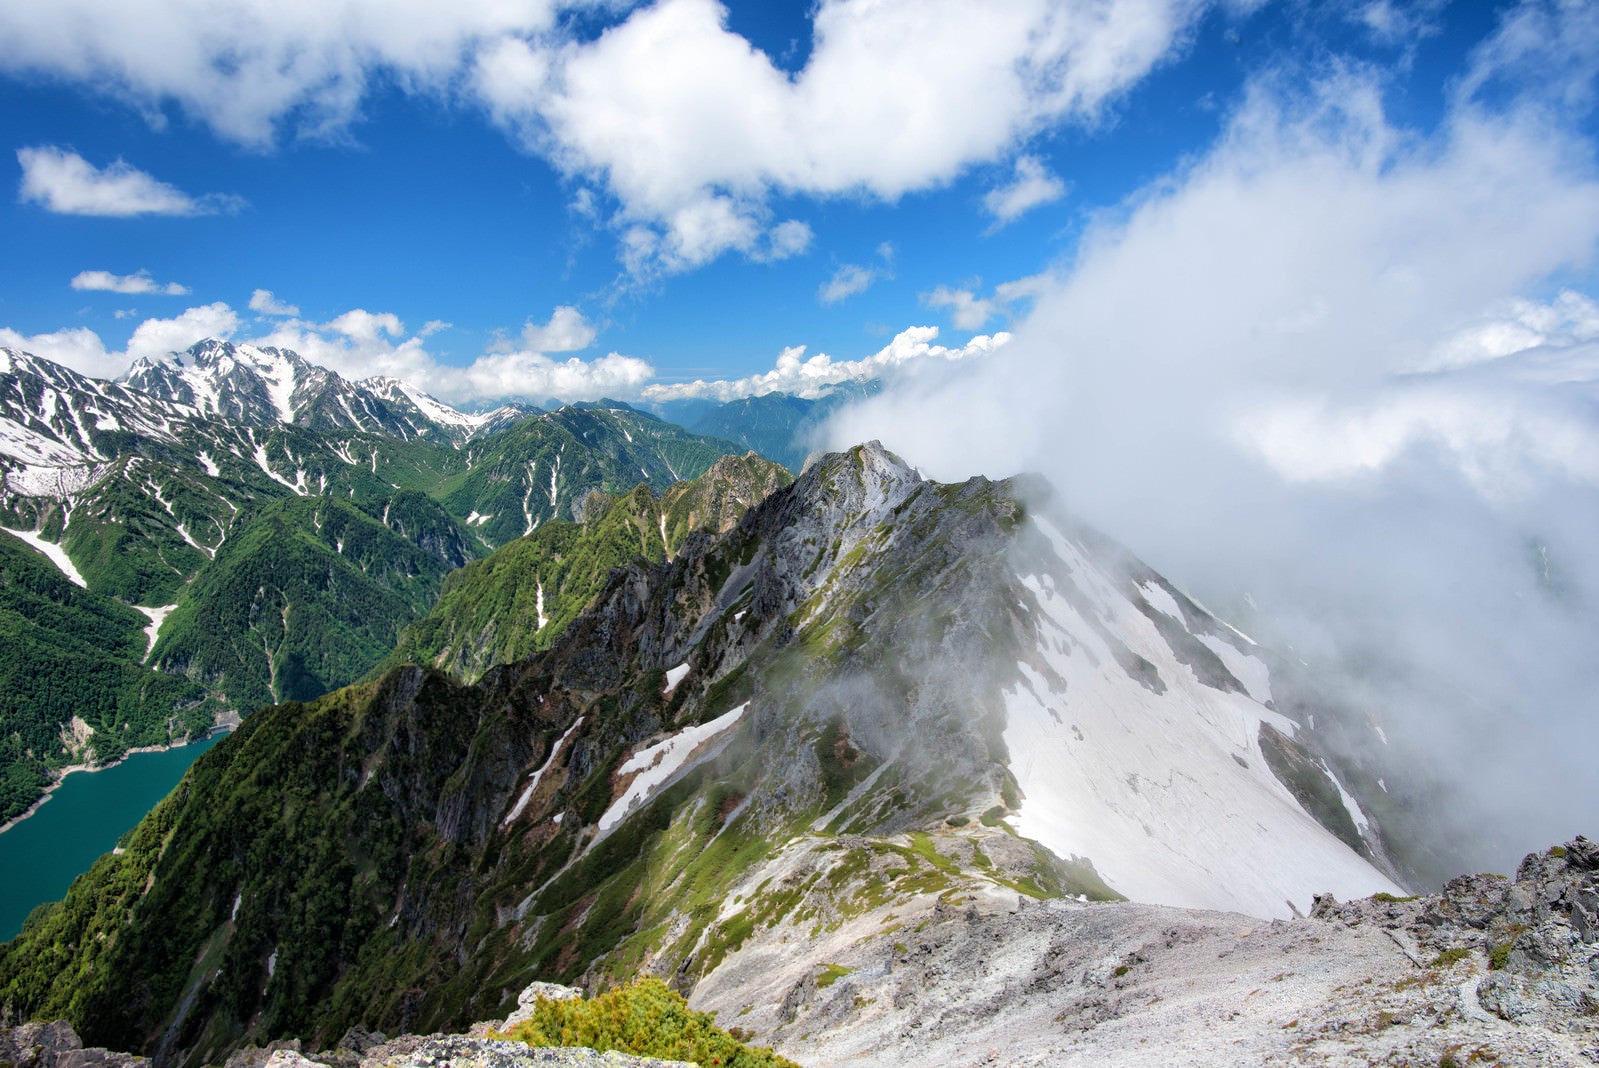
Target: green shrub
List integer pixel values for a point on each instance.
(646, 1019)
(1450, 956)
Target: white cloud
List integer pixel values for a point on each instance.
(245, 66)
(787, 240)
(968, 311)
(1030, 186)
(1227, 379)
(683, 120)
(1517, 326)
(810, 377)
(64, 182)
(85, 352)
(157, 337)
(535, 375)
(78, 348)
(567, 331)
(139, 282)
(847, 281)
(362, 344)
(1398, 24)
(688, 127)
(264, 302)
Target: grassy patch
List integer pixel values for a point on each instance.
(645, 1019)
(830, 974)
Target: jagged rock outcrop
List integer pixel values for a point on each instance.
(1534, 934)
(56, 1045)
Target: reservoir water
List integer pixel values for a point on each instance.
(84, 817)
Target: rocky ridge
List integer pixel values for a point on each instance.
(1489, 970)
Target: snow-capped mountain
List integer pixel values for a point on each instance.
(264, 386)
(466, 426)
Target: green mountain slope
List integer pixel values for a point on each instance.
(779, 425)
(524, 596)
(542, 468)
(72, 657)
(310, 596)
(326, 865)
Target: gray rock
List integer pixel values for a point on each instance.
(56, 1045)
(460, 1051)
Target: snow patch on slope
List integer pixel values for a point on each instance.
(533, 782)
(1165, 792)
(56, 554)
(157, 617)
(674, 676)
(654, 765)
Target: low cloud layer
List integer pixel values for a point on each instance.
(813, 376)
(362, 344)
(1323, 365)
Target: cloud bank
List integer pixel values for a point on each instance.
(813, 376)
(1324, 365)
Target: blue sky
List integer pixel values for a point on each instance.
(661, 192)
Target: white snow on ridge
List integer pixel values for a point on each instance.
(1352, 806)
(1161, 600)
(430, 406)
(1167, 794)
(533, 782)
(57, 555)
(1246, 668)
(653, 766)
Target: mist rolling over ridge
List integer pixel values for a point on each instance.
(1325, 375)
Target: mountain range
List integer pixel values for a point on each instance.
(580, 696)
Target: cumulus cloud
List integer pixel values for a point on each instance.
(535, 375)
(138, 282)
(64, 182)
(264, 302)
(687, 126)
(968, 311)
(567, 331)
(158, 337)
(812, 376)
(1314, 365)
(78, 348)
(1030, 186)
(683, 119)
(249, 67)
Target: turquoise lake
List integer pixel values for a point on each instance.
(84, 817)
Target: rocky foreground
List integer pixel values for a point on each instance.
(1492, 970)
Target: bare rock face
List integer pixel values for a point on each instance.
(56, 1045)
